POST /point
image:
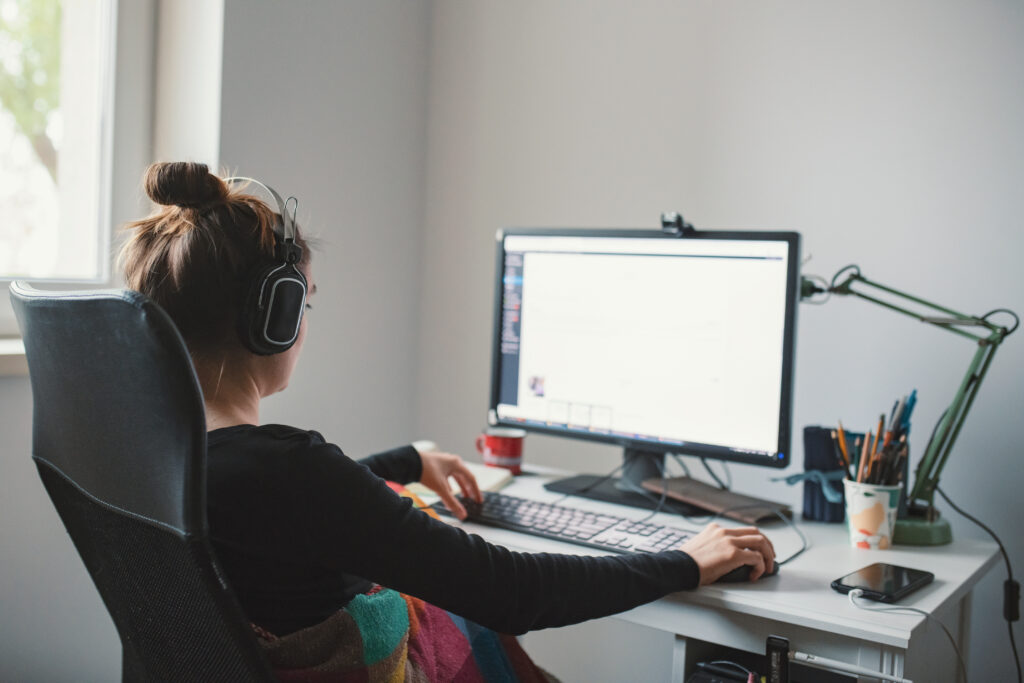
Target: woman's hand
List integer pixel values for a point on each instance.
(437, 467)
(718, 550)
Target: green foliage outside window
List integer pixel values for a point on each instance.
(30, 71)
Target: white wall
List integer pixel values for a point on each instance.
(329, 104)
(888, 134)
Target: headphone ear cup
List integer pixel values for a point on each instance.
(272, 314)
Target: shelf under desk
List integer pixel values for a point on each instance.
(798, 603)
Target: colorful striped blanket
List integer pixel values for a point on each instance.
(384, 635)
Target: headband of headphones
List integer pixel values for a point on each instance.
(289, 250)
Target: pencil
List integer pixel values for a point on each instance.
(840, 456)
(863, 457)
(842, 443)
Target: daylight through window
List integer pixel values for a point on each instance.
(54, 114)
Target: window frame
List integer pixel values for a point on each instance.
(118, 20)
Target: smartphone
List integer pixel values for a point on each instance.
(884, 582)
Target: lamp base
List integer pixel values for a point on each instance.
(915, 529)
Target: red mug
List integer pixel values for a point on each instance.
(502, 447)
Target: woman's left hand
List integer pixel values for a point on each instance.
(437, 467)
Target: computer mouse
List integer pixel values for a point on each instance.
(742, 573)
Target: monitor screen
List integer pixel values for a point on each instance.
(655, 342)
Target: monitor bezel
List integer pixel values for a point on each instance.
(782, 456)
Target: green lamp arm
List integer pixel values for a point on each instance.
(946, 432)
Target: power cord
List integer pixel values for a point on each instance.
(596, 482)
(663, 466)
(804, 543)
(1011, 588)
(682, 463)
(857, 592)
(721, 484)
(751, 676)
(635, 489)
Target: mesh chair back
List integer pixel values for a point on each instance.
(119, 438)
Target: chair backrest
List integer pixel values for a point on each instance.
(119, 438)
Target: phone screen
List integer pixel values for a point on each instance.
(885, 582)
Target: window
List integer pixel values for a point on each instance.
(55, 109)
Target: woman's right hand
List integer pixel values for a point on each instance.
(717, 550)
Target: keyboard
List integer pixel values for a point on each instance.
(572, 525)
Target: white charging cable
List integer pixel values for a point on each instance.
(857, 592)
(844, 668)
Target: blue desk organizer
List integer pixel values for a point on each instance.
(820, 454)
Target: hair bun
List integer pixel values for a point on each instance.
(184, 183)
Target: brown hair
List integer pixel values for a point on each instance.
(196, 253)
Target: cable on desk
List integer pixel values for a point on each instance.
(726, 662)
(679, 459)
(636, 489)
(804, 543)
(1011, 588)
(663, 466)
(857, 592)
(721, 485)
(596, 482)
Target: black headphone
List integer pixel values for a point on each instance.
(276, 295)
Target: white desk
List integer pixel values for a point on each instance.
(798, 603)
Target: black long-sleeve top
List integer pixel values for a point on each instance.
(300, 529)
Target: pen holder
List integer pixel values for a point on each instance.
(820, 455)
(871, 510)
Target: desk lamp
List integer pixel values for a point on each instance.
(921, 524)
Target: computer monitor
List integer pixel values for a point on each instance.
(655, 342)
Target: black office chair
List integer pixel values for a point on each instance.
(119, 438)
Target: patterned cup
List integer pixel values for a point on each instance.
(871, 514)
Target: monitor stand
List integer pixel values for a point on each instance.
(637, 466)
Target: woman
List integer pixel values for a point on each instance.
(302, 531)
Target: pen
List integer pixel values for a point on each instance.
(896, 423)
(907, 410)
